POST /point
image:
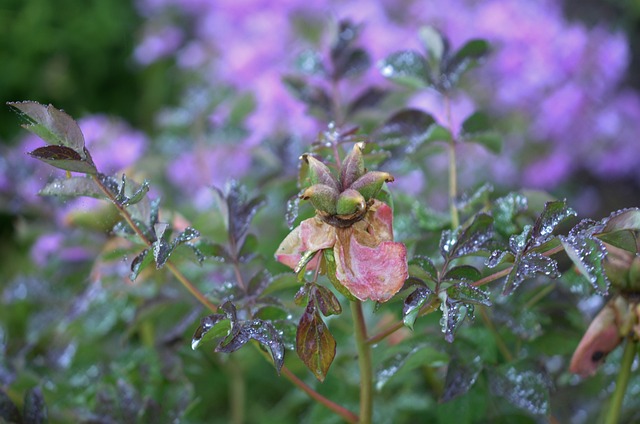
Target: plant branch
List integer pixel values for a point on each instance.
(174, 270)
(364, 363)
(348, 416)
(624, 374)
(453, 171)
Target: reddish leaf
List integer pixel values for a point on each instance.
(314, 343)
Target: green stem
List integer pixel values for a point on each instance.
(237, 392)
(453, 171)
(624, 374)
(364, 363)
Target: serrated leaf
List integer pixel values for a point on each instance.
(405, 67)
(528, 266)
(52, 125)
(587, 254)
(460, 378)
(454, 244)
(73, 187)
(404, 362)
(212, 327)
(553, 214)
(408, 127)
(140, 262)
(625, 219)
(413, 303)
(326, 301)
(467, 293)
(35, 409)
(522, 387)
(64, 158)
(315, 344)
(261, 331)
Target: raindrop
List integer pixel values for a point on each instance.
(292, 210)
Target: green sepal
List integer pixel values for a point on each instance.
(322, 197)
(370, 184)
(349, 202)
(352, 166)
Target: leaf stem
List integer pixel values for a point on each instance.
(621, 383)
(348, 416)
(364, 363)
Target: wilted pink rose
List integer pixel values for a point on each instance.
(368, 262)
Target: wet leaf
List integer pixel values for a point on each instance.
(261, 331)
(462, 273)
(212, 327)
(453, 315)
(35, 409)
(429, 219)
(64, 158)
(461, 376)
(139, 263)
(8, 410)
(505, 210)
(408, 127)
(522, 387)
(52, 125)
(309, 62)
(406, 68)
(423, 268)
(625, 219)
(326, 301)
(467, 293)
(406, 361)
(528, 266)
(623, 239)
(315, 344)
(454, 244)
(588, 254)
(73, 187)
(553, 214)
(161, 251)
(413, 303)
(470, 203)
(212, 250)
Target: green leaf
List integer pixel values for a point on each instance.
(471, 203)
(460, 378)
(315, 344)
(554, 213)
(433, 43)
(477, 128)
(422, 267)
(52, 125)
(430, 219)
(462, 273)
(406, 361)
(623, 239)
(413, 303)
(351, 63)
(140, 262)
(408, 127)
(472, 239)
(64, 158)
(522, 387)
(73, 187)
(625, 219)
(465, 58)
(587, 254)
(212, 327)
(467, 293)
(406, 68)
(212, 250)
(505, 210)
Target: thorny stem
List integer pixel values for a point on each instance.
(453, 172)
(349, 416)
(364, 363)
(174, 270)
(623, 380)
